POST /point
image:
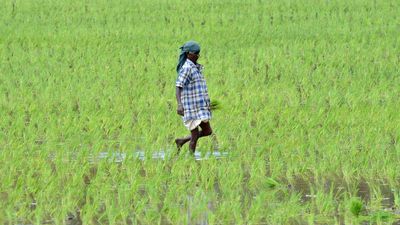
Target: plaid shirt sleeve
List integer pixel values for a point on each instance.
(183, 77)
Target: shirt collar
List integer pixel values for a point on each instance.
(190, 62)
(198, 66)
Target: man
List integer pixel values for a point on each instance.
(192, 96)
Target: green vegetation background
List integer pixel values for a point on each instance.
(309, 90)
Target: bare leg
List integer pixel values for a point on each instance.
(193, 140)
(205, 131)
(181, 141)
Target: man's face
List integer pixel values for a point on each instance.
(193, 56)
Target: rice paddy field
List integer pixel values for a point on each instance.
(308, 131)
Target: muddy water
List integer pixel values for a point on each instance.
(365, 191)
(340, 187)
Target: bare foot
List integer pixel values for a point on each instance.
(179, 143)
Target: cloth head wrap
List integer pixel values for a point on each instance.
(190, 46)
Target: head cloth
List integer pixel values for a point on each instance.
(190, 46)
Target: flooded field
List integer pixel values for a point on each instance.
(307, 129)
(300, 199)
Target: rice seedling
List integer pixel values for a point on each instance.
(271, 183)
(381, 217)
(355, 206)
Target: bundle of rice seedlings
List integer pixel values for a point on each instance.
(215, 105)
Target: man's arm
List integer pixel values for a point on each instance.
(178, 100)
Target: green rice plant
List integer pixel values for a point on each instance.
(256, 212)
(324, 203)
(381, 217)
(396, 195)
(355, 206)
(271, 183)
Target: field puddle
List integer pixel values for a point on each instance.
(339, 187)
(307, 187)
(378, 193)
(119, 157)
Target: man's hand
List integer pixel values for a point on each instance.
(180, 110)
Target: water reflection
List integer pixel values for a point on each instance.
(119, 157)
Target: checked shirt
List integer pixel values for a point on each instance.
(194, 95)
